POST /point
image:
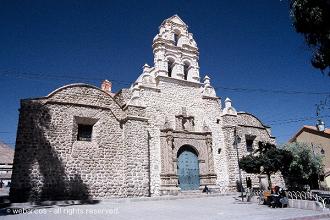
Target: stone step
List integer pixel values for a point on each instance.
(183, 196)
(196, 192)
(185, 192)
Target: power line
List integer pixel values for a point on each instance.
(29, 75)
(280, 122)
(298, 118)
(286, 92)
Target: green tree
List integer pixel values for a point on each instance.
(305, 167)
(312, 19)
(267, 159)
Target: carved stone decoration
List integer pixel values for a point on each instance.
(167, 124)
(208, 141)
(210, 154)
(184, 111)
(229, 109)
(207, 89)
(185, 122)
(205, 127)
(135, 99)
(171, 143)
(170, 152)
(169, 140)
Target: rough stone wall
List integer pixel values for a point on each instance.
(123, 96)
(228, 123)
(50, 163)
(124, 157)
(246, 126)
(166, 102)
(137, 154)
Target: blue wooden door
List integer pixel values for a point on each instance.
(188, 171)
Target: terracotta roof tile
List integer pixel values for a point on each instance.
(327, 130)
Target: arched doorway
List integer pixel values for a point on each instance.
(188, 168)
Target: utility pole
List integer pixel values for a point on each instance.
(237, 139)
(320, 126)
(314, 156)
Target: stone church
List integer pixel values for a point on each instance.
(167, 133)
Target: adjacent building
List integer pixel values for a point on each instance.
(320, 144)
(167, 133)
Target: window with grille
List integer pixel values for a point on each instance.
(249, 145)
(84, 132)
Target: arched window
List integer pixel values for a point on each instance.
(186, 70)
(170, 65)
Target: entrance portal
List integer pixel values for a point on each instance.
(188, 168)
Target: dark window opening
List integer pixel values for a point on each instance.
(176, 39)
(170, 65)
(84, 132)
(185, 70)
(249, 145)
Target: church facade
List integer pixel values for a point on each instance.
(165, 134)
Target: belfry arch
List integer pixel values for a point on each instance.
(170, 66)
(175, 40)
(186, 68)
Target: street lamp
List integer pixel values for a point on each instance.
(237, 140)
(320, 125)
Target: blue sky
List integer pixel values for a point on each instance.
(243, 45)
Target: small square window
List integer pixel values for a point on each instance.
(84, 132)
(249, 145)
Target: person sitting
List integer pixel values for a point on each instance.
(284, 199)
(267, 197)
(206, 189)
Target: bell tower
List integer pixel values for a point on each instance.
(175, 51)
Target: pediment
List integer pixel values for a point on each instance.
(175, 19)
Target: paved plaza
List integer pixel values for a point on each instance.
(223, 207)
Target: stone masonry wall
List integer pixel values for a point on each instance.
(50, 163)
(166, 102)
(137, 154)
(124, 157)
(246, 126)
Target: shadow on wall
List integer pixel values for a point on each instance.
(38, 171)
